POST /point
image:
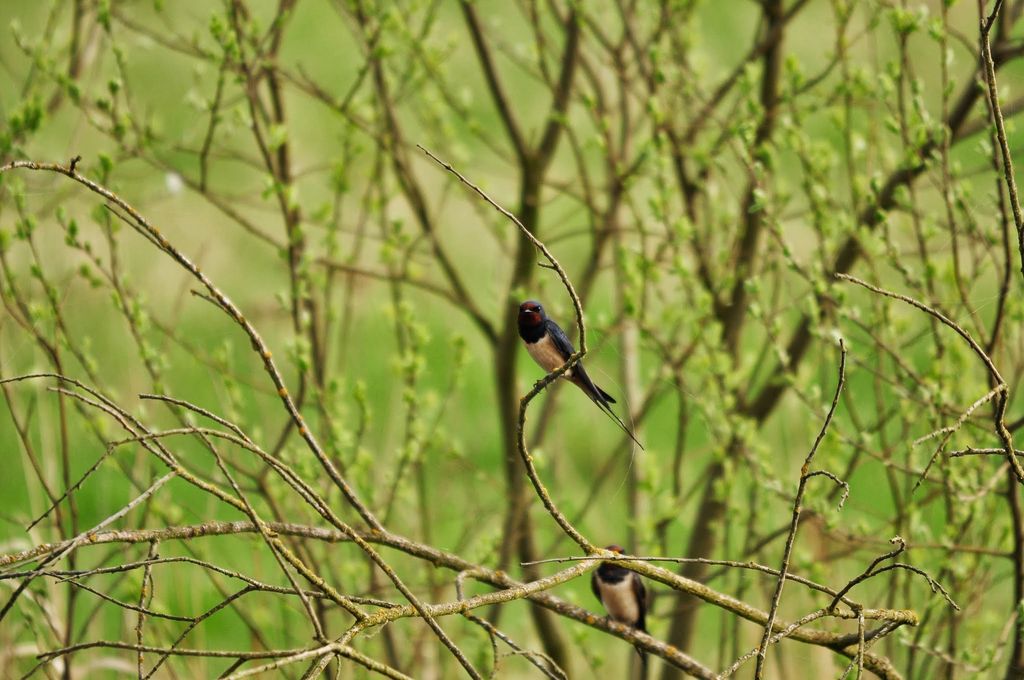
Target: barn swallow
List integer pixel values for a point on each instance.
(550, 347)
(623, 595)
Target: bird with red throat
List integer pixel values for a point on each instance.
(550, 347)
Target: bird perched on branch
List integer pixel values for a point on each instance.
(550, 348)
(623, 595)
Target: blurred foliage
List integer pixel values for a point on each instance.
(714, 165)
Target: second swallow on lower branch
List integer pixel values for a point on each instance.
(550, 347)
(623, 595)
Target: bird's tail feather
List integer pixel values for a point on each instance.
(601, 398)
(608, 409)
(643, 662)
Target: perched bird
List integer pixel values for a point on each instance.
(550, 348)
(623, 595)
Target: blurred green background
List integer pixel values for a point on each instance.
(409, 377)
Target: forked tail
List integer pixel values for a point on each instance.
(608, 409)
(643, 662)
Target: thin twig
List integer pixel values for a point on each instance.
(997, 115)
(805, 475)
(1000, 411)
(524, 402)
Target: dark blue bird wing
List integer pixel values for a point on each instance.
(560, 340)
(641, 597)
(641, 623)
(579, 374)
